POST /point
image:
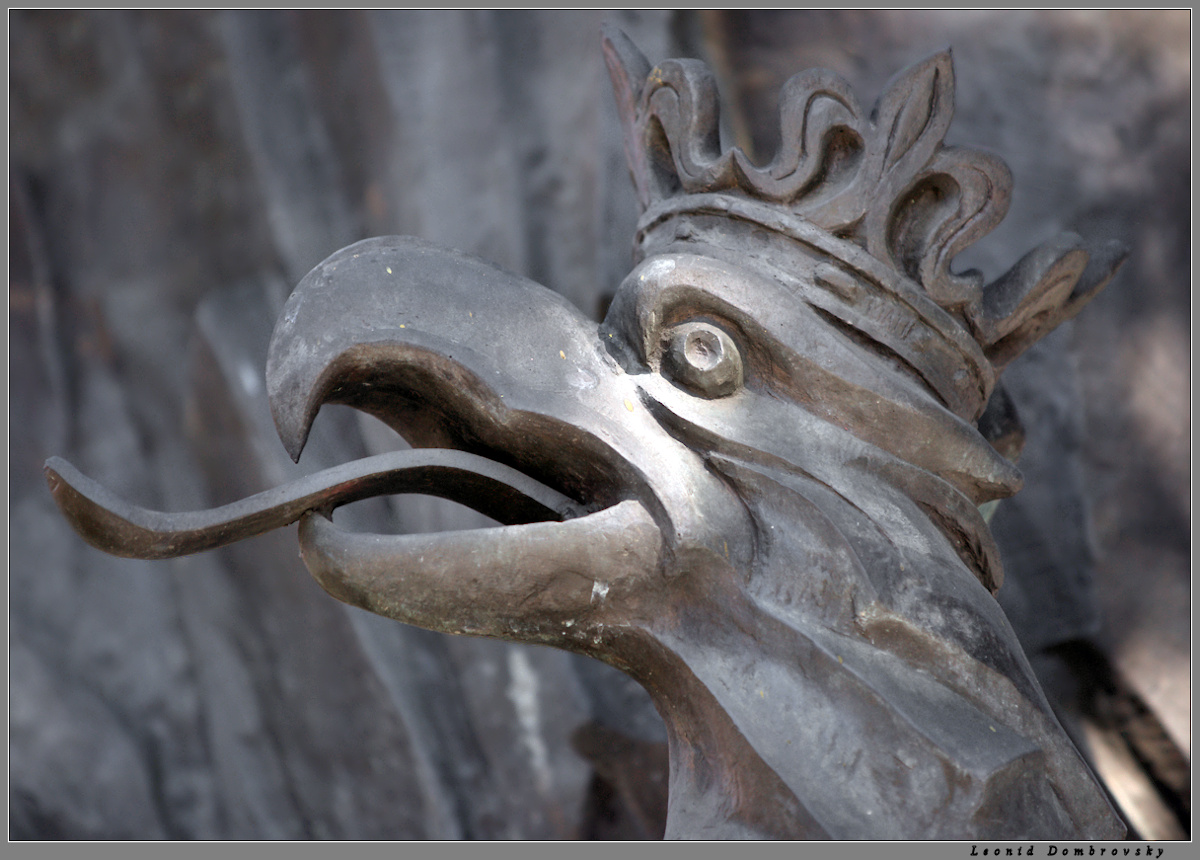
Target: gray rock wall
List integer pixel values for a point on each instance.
(174, 174)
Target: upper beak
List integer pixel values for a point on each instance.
(444, 348)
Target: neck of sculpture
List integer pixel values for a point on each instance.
(721, 786)
(808, 697)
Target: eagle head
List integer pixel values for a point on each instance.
(755, 486)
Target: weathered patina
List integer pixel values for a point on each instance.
(755, 487)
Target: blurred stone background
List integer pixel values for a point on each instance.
(174, 174)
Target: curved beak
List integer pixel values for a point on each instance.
(452, 352)
(515, 404)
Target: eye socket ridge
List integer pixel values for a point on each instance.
(703, 359)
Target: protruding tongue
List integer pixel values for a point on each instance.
(115, 526)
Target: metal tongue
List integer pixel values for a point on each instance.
(115, 526)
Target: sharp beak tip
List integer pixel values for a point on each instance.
(292, 422)
(294, 450)
(292, 383)
(293, 434)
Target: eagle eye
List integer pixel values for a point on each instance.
(703, 359)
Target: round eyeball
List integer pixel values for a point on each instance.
(704, 360)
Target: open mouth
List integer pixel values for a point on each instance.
(514, 408)
(432, 342)
(549, 554)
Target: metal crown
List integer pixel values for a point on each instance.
(876, 202)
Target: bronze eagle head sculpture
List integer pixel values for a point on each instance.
(755, 487)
